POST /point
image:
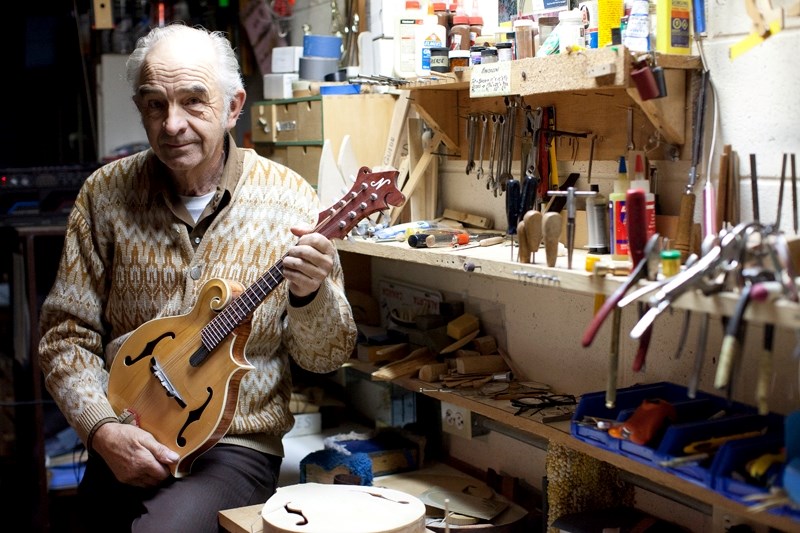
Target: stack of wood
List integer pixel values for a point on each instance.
(466, 360)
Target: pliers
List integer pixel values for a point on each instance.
(645, 268)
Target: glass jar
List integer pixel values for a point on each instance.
(475, 55)
(523, 33)
(458, 59)
(489, 55)
(504, 51)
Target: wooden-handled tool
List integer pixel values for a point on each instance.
(551, 230)
(533, 231)
(683, 238)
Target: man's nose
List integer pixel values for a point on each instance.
(175, 120)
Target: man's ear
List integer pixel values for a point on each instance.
(236, 107)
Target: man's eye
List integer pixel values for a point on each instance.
(155, 105)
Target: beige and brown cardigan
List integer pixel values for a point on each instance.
(128, 258)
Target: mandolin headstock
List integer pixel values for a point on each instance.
(372, 192)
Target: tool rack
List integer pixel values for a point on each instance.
(571, 80)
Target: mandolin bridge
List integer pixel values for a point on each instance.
(159, 373)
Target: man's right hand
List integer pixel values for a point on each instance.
(133, 455)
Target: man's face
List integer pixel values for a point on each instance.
(181, 104)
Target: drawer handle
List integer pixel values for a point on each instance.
(264, 124)
(286, 125)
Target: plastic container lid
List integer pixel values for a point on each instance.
(412, 4)
(439, 6)
(461, 19)
(475, 21)
(504, 44)
(574, 15)
(522, 22)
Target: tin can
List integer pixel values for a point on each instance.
(440, 61)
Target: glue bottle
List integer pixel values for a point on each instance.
(405, 39)
(639, 181)
(619, 230)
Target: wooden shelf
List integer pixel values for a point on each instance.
(495, 262)
(578, 72)
(502, 412)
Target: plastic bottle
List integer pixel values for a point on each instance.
(523, 33)
(639, 181)
(459, 33)
(616, 201)
(429, 34)
(475, 29)
(570, 30)
(405, 39)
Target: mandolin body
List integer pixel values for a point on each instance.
(152, 382)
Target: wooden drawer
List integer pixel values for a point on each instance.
(309, 121)
(285, 121)
(262, 123)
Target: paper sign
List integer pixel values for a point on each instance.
(491, 79)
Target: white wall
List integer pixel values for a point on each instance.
(759, 112)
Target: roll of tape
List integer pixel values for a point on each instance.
(322, 46)
(315, 68)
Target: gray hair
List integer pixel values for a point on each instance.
(228, 73)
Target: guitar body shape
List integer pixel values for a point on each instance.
(187, 408)
(178, 377)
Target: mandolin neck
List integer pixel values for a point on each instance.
(241, 307)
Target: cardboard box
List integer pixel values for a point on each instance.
(286, 59)
(279, 86)
(305, 424)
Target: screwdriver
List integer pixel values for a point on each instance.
(513, 195)
(636, 210)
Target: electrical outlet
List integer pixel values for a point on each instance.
(456, 420)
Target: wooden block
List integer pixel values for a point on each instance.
(485, 345)
(426, 322)
(372, 353)
(466, 353)
(481, 364)
(406, 366)
(432, 371)
(463, 326)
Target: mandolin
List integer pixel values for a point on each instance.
(178, 377)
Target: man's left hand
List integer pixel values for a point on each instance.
(308, 263)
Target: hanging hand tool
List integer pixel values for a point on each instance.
(733, 340)
(686, 215)
(794, 197)
(551, 230)
(754, 187)
(571, 194)
(512, 209)
(780, 192)
(524, 255)
(484, 127)
(723, 185)
(636, 210)
(652, 255)
(699, 356)
(472, 121)
(491, 182)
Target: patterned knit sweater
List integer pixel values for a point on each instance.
(128, 259)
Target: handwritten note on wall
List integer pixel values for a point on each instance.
(491, 79)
